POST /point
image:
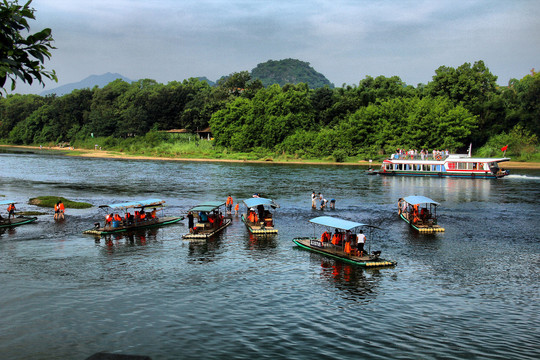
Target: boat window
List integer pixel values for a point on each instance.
(451, 166)
(462, 166)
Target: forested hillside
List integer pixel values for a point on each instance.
(376, 116)
(289, 71)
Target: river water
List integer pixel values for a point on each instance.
(471, 292)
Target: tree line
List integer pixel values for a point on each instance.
(459, 106)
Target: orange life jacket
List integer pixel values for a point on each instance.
(61, 207)
(117, 217)
(108, 218)
(325, 237)
(11, 207)
(229, 200)
(348, 247)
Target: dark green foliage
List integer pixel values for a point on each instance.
(22, 57)
(367, 120)
(289, 71)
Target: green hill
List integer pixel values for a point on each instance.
(289, 71)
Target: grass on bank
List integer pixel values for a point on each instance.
(190, 146)
(50, 201)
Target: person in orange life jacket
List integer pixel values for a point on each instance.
(11, 210)
(236, 207)
(361, 240)
(109, 219)
(153, 213)
(337, 238)
(325, 237)
(61, 209)
(117, 217)
(229, 204)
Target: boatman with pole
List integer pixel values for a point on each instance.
(361, 238)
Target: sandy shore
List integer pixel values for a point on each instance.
(117, 155)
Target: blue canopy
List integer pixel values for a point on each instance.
(135, 204)
(416, 200)
(336, 223)
(254, 202)
(7, 202)
(208, 206)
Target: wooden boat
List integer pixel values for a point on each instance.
(420, 213)
(210, 221)
(14, 221)
(139, 220)
(454, 165)
(343, 249)
(255, 208)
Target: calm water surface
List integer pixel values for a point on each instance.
(469, 293)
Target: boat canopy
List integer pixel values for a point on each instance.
(7, 202)
(416, 200)
(254, 202)
(135, 204)
(336, 223)
(208, 206)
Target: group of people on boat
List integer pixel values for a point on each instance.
(414, 213)
(322, 201)
(352, 244)
(206, 221)
(115, 220)
(261, 216)
(413, 154)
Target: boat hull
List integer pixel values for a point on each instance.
(367, 261)
(205, 234)
(442, 174)
(423, 228)
(258, 230)
(160, 222)
(20, 220)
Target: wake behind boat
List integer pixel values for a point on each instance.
(420, 213)
(210, 221)
(12, 220)
(258, 218)
(343, 245)
(114, 223)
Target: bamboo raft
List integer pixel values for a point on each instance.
(136, 225)
(19, 220)
(366, 260)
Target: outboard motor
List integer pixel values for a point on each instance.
(96, 225)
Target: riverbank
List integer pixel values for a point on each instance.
(120, 155)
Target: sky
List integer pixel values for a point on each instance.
(345, 40)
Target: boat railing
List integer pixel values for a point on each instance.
(436, 157)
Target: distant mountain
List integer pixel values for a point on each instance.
(89, 82)
(289, 71)
(204, 78)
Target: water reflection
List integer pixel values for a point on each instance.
(350, 279)
(261, 242)
(204, 251)
(115, 242)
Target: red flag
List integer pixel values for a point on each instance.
(504, 148)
